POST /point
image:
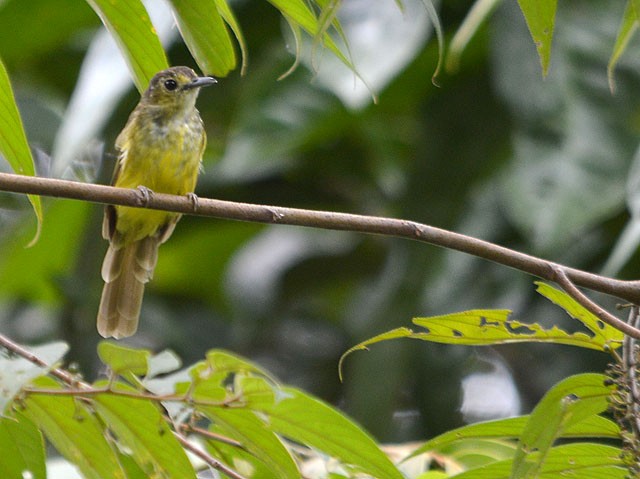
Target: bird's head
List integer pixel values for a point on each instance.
(175, 88)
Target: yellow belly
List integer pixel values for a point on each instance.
(163, 161)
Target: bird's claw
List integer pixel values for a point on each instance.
(145, 195)
(193, 198)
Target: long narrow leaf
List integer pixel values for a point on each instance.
(626, 32)
(131, 27)
(540, 17)
(206, 35)
(13, 142)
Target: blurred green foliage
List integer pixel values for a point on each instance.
(496, 152)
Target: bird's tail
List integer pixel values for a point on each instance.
(125, 270)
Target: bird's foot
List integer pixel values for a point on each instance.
(193, 198)
(145, 195)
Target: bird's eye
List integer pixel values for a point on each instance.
(170, 85)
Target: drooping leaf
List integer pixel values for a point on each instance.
(627, 30)
(139, 425)
(540, 17)
(129, 23)
(569, 402)
(17, 372)
(605, 335)
(206, 35)
(364, 345)
(74, 431)
(22, 449)
(227, 15)
(309, 421)
(476, 16)
(13, 142)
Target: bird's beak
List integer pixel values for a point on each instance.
(199, 82)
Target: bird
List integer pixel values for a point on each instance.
(159, 150)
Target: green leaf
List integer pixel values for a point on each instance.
(130, 25)
(604, 335)
(139, 425)
(220, 364)
(13, 142)
(512, 428)
(206, 35)
(433, 15)
(627, 30)
(475, 18)
(569, 402)
(123, 360)
(583, 460)
(297, 12)
(227, 15)
(22, 449)
(309, 421)
(364, 345)
(540, 17)
(246, 427)
(482, 327)
(74, 431)
(17, 372)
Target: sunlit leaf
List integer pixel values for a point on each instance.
(13, 142)
(129, 23)
(22, 449)
(139, 425)
(572, 400)
(206, 35)
(73, 430)
(605, 335)
(592, 461)
(512, 428)
(492, 326)
(540, 16)
(309, 421)
(122, 359)
(256, 437)
(627, 30)
(164, 362)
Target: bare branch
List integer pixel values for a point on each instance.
(627, 290)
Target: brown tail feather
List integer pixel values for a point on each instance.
(125, 270)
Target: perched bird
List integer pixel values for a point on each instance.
(160, 149)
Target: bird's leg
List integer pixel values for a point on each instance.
(194, 201)
(145, 195)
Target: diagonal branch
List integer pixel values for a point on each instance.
(627, 290)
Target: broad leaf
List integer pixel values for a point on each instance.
(122, 360)
(73, 430)
(309, 421)
(139, 425)
(13, 141)
(569, 402)
(22, 449)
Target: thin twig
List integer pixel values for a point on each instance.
(206, 457)
(560, 277)
(627, 290)
(211, 435)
